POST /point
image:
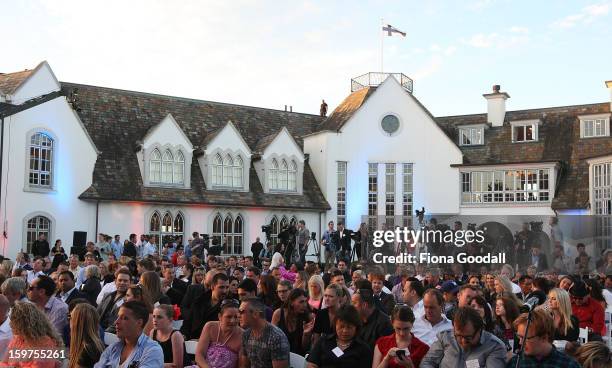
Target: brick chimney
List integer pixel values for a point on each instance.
(609, 85)
(496, 106)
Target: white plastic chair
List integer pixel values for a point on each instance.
(110, 338)
(190, 346)
(177, 324)
(583, 335)
(296, 361)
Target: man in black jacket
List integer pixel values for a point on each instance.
(174, 288)
(205, 307)
(344, 236)
(109, 306)
(67, 289)
(129, 248)
(40, 247)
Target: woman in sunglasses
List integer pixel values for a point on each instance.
(402, 348)
(219, 342)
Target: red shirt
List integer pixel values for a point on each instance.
(417, 349)
(590, 315)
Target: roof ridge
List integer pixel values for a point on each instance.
(525, 110)
(186, 99)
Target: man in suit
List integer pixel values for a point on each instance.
(385, 302)
(174, 288)
(67, 289)
(344, 236)
(205, 307)
(129, 248)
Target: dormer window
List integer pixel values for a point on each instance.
(167, 168)
(471, 136)
(283, 177)
(593, 126)
(525, 131)
(227, 171)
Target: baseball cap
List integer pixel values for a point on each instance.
(449, 287)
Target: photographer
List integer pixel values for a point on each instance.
(301, 240)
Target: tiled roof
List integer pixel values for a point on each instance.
(11, 81)
(265, 142)
(558, 141)
(346, 109)
(117, 119)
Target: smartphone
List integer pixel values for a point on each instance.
(402, 354)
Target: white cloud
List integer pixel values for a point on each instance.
(481, 40)
(517, 36)
(518, 29)
(431, 67)
(587, 15)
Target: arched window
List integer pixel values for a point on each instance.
(284, 222)
(41, 153)
(282, 182)
(155, 167)
(37, 226)
(293, 221)
(167, 164)
(167, 228)
(217, 231)
(179, 168)
(228, 227)
(292, 177)
(238, 235)
(274, 175)
(217, 170)
(238, 170)
(274, 230)
(228, 162)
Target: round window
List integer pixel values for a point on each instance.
(390, 124)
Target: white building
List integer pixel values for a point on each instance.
(78, 158)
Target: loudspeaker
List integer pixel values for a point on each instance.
(79, 238)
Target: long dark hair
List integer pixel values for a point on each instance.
(488, 318)
(268, 290)
(293, 295)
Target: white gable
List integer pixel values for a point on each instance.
(40, 82)
(283, 145)
(167, 132)
(228, 138)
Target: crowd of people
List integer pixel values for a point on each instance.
(245, 311)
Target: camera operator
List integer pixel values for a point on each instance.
(329, 240)
(344, 240)
(301, 239)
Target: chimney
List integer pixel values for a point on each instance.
(291, 108)
(609, 85)
(496, 106)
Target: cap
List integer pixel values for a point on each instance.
(578, 290)
(449, 287)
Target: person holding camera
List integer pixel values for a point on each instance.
(301, 239)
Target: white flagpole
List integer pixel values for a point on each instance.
(382, 38)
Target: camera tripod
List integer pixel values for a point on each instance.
(316, 247)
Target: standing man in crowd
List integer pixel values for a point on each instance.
(117, 247)
(301, 239)
(467, 345)
(263, 344)
(40, 247)
(344, 242)
(197, 245)
(329, 242)
(256, 249)
(129, 248)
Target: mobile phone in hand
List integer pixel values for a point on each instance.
(402, 354)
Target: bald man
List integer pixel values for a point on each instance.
(6, 334)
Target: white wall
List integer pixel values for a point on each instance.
(127, 218)
(41, 82)
(419, 141)
(74, 160)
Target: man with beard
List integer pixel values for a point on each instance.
(205, 307)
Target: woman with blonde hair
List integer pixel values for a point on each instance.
(566, 324)
(198, 276)
(315, 292)
(594, 354)
(503, 287)
(31, 330)
(85, 344)
(325, 318)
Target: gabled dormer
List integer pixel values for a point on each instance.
(226, 160)
(16, 88)
(281, 168)
(165, 156)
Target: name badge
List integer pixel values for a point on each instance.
(338, 352)
(473, 363)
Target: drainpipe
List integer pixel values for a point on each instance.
(97, 212)
(1, 175)
(320, 234)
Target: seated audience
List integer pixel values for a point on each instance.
(594, 354)
(295, 320)
(109, 305)
(151, 282)
(134, 348)
(343, 349)
(85, 343)
(325, 318)
(220, 341)
(385, 352)
(566, 324)
(138, 293)
(375, 323)
(42, 293)
(283, 288)
(539, 350)
(14, 288)
(170, 340)
(6, 334)
(92, 287)
(205, 307)
(468, 344)
(506, 311)
(589, 312)
(385, 302)
(174, 288)
(67, 288)
(315, 292)
(427, 326)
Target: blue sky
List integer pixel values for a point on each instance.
(273, 53)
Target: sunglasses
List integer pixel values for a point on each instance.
(230, 302)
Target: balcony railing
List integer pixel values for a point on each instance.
(374, 79)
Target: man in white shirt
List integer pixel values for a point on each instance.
(508, 271)
(427, 326)
(74, 265)
(6, 334)
(37, 269)
(413, 296)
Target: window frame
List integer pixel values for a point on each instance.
(523, 124)
(283, 175)
(52, 187)
(164, 172)
(603, 119)
(471, 130)
(219, 230)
